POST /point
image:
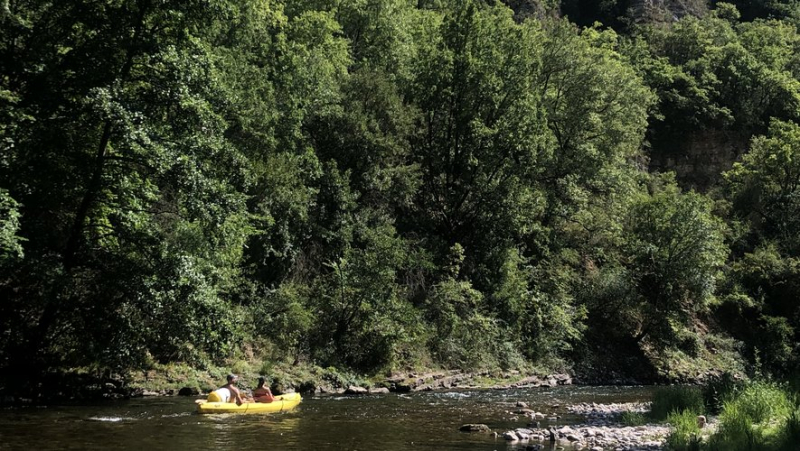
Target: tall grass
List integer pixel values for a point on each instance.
(629, 418)
(753, 420)
(676, 400)
(686, 436)
(720, 389)
(789, 435)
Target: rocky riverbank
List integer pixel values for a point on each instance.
(601, 430)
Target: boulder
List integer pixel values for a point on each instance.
(474, 427)
(356, 390)
(378, 390)
(511, 436)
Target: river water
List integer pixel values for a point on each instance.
(391, 422)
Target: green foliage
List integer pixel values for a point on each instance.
(675, 248)
(10, 242)
(686, 433)
(748, 421)
(719, 390)
(373, 185)
(678, 399)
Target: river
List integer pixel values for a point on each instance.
(392, 422)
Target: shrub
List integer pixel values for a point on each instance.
(720, 389)
(747, 420)
(686, 436)
(761, 402)
(736, 432)
(676, 399)
(789, 434)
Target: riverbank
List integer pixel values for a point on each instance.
(604, 426)
(180, 380)
(82, 385)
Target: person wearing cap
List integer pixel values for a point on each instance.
(228, 392)
(262, 393)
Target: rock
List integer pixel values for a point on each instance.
(566, 430)
(188, 391)
(573, 438)
(136, 393)
(474, 427)
(511, 436)
(378, 391)
(538, 416)
(521, 404)
(356, 390)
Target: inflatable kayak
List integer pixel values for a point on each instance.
(281, 403)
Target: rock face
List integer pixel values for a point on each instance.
(700, 158)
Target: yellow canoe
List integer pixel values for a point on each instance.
(281, 403)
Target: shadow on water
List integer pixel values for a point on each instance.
(393, 422)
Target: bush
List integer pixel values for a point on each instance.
(720, 389)
(736, 432)
(676, 400)
(747, 421)
(686, 436)
(761, 402)
(789, 434)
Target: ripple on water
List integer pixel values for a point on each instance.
(111, 419)
(177, 415)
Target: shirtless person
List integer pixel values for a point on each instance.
(229, 392)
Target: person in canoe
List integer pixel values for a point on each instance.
(228, 392)
(262, 393)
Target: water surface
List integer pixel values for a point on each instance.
(392, 422)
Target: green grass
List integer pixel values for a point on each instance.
(632, 418)
(686, 436)
(720, 389)
(760, 417)
(676, 399)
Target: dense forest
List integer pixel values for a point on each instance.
(610, 188)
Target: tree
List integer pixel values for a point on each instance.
(675, 249)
